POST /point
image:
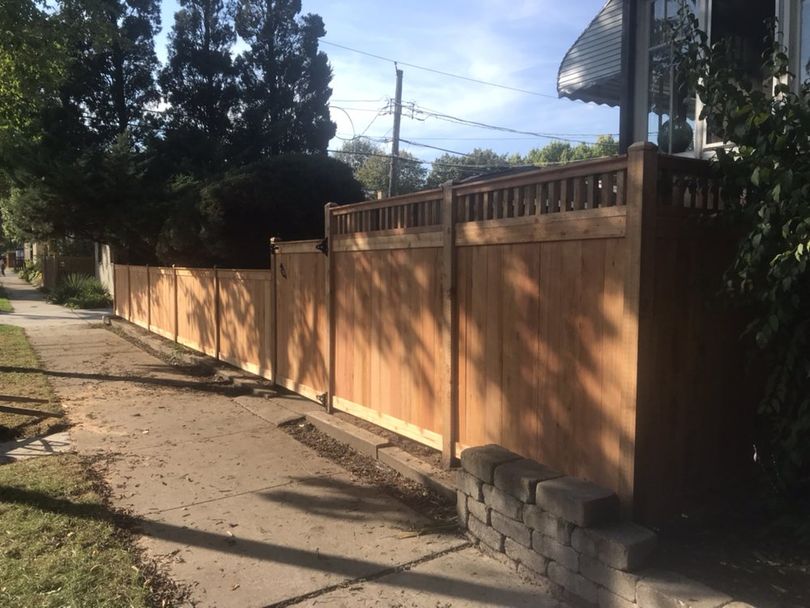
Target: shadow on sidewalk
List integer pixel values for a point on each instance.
(348, 567)
(208, 387)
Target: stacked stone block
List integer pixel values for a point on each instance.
(567, 531)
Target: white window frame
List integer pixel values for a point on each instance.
(787, 11)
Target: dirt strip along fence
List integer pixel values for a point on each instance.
(566, 314)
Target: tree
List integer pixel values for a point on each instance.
(451, 166)
(229, 220)
(765, 180)
(81, 168)
(32, 65)
(199, 83)
(355, 152)
(284, 81)
(371, 166)
(563, 152)
(113, 73)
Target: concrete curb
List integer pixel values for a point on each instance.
(358, 439)
(417, 470)
(200, 363)
(379, 448)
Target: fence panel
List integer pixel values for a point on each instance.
(387, 307)
(196, 309)
(301, 318)
(121, 290)
(139, 295)
(162, 318)
(539, 352)
(245, 329)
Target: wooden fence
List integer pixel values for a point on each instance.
(56, 267)
(564, 313)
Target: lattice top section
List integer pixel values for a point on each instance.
(688, 183)
(409, 211)
(574, 187)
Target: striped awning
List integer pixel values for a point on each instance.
(591, 69)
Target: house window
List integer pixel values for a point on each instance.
(745, 32)
(803, 71)
(670, 102)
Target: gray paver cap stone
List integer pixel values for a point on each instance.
(520, 478)
(481, 461)
(621, 545)
(578, 501)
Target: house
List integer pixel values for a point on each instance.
(621, 60)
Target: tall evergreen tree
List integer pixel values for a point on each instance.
(199, 83)
(284, 80)
(114, 73)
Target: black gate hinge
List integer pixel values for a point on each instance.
(323, 246)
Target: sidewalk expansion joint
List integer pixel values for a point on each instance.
(234, 495)
(174, 443)
(368, 578)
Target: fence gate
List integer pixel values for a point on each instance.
(301, 317)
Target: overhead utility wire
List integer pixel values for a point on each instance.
(454, 165)
(441, 72)
(416, 143)
(473, 123)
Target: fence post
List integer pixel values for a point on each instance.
(148, 300)
(448, 390)
(129, 292)
(176, 311)
(216, 313)
(115, 298)
(330, 307)
(642, 177)
(274, 309)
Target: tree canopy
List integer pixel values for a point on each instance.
(284, 80)
(98, 141)
(372, 167)
(199, 85)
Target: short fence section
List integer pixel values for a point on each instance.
(56, 267)
(522, 310)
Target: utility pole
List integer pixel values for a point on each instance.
(393, 176)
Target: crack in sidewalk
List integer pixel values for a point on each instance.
(369, 577)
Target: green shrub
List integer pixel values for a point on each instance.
(81, 291)
(31, 271)
(228, 221)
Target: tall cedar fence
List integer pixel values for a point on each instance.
(567, 314)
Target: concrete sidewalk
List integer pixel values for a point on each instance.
(236, 508)
(31, 309)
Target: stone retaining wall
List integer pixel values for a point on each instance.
(568, 532)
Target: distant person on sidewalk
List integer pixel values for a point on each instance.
(3, 267)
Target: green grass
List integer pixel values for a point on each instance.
(60, 545)
(24, 387)
(5, 305)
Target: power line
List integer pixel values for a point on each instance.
(353, 109)
(441, 72)
(378, 100)
(416, 143)
(427, 113)
(453, 165)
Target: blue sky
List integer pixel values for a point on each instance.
(519, 43)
